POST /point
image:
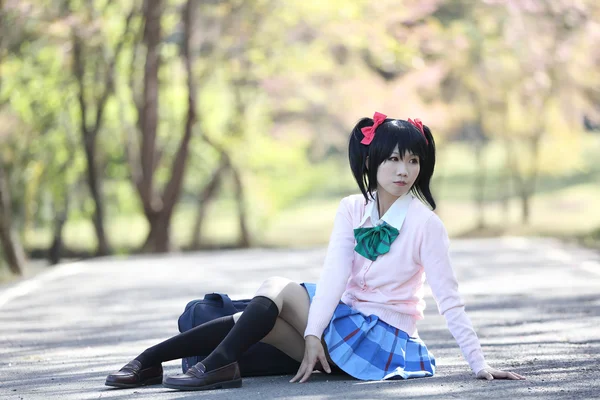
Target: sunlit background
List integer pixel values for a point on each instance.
(148, 126)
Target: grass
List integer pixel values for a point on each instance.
(590, 239)
(571, 211)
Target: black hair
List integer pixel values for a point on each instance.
(365, 159)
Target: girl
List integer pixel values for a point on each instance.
(361, 316)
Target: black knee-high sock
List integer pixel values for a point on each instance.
(200, 340)
(256, 322)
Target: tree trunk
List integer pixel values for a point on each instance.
(89, 144)
(12, 250)
(520, 181)
(479, 183)
(525, 206)
(524, 195)
(90, 131)
(159, 208)
(96, 193)
(149, 109)
(505, 196)
(477, 137)
(55, 250)
(11, 247)
(208, 193)
(527, 186)
(244, 239)
(532, 181)
(159, 236)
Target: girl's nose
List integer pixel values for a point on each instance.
(402, 170)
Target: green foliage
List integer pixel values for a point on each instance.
(43, 139)
(278, 86)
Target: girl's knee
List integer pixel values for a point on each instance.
(273, 288)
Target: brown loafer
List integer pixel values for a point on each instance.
(132, 375)
(196, 378)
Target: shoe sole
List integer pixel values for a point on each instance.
(237, 383)
(152, 381)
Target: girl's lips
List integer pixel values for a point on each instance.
(400, 183)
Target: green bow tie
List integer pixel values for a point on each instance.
(372, 242)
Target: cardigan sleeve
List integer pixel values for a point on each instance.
(336, 271)
(435, 259)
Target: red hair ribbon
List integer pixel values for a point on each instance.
(417, 122)
(369, 131)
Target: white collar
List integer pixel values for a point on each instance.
(394, 216)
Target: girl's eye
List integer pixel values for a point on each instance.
(414, 160)
(394, 159)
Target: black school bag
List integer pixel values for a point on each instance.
(259, 360)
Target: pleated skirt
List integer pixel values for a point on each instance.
(368, 348)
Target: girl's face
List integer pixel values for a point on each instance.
(395, 175)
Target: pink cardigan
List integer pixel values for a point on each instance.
(391, 287)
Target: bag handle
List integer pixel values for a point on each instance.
(221, 298)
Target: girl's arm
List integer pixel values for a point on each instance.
(330, 287)
(435, 258)
(336, 271)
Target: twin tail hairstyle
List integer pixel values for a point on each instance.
(365, 159)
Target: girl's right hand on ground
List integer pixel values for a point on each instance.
(490, 373)
(313, 352)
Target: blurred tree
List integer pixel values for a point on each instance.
(589, 80)
(274, 87)
(11, 246)
(94, 72)
(508, 72)
(253, 54)
(543, 35)
(203, 200)
(42, 159)
(470, 32)
(158, 207)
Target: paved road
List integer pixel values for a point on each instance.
(534, 303)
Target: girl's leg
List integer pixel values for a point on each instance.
(203, 339)
(200, 340)
(288, 296)
(277, 297)
(291, 299)
(294, 304)
(284, 337)
(146, 369)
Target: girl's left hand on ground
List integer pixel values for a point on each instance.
(493, 373)
(313, 352)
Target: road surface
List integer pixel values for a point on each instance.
(535, 304)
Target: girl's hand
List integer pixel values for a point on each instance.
(313, 352)
(490, 373)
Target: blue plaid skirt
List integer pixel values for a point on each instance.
(367, 348)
